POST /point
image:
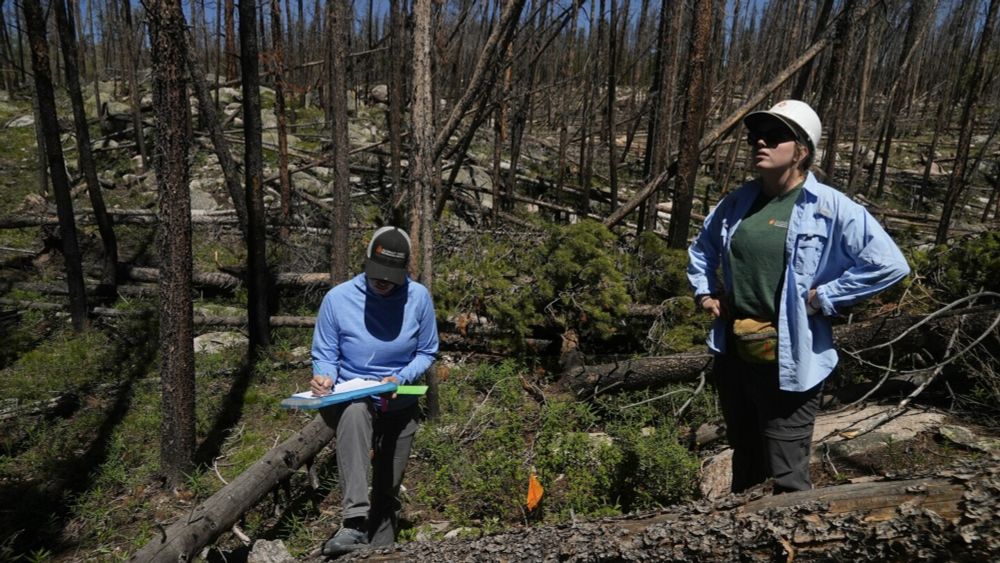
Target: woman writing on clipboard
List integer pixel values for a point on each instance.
(378, 326)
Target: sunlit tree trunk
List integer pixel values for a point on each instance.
(696, 106)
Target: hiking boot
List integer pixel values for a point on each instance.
(344, 541)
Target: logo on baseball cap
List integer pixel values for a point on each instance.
(388, 254)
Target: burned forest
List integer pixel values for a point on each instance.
(185, 184)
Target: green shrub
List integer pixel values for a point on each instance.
(573, 279)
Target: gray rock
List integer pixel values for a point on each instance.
(228, 95)
(967, 438)
(268, 119)
(201, 197)
(380, 93)
(307, 182)
(4, 96)
(264, 551)
(214, 342)
(23, 121)
(461, 532)
(114, 108)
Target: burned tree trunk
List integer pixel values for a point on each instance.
(210, 116)
(278, 68)
(695, 107)
(177, 430)
(183, 539)
(45, 95)
(878, 521)
(956, 183)
(397, 99)
(340, 188)
(67, 40)
(425, 177)
(253, 166)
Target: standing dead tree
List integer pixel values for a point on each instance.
(695, 106)
(67, 41)
(253, 172)
(177, 428)
(734, 118)
(956, 183)
(340, 187)
(45, 96)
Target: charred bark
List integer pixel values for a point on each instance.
(885, 520)
(177, 430)
(253, 171)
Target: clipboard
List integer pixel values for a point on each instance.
(307, 401)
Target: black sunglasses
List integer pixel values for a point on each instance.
(771, 138)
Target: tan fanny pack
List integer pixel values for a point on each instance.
(756, 340)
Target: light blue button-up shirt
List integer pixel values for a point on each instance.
(834, 246)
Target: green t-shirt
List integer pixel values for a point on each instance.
(757, 256)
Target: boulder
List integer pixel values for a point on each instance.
(264, 551)
(309, 183)
(23, 121)
(214, 342)
(380, 93)
(228, 95)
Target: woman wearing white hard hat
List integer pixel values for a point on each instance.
(793, 252)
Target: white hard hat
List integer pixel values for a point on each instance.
(794, 113)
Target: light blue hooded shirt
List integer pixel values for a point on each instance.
(360, 334)
(834, 246)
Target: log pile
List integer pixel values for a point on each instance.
(949, 516)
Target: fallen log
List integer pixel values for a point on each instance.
(949, 516)
(193, 530)
(658, 371)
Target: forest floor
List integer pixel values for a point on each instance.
(79, 421)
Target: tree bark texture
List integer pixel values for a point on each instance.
(253, 170)
(45, 96)
(696, 104)
(177, 427)
(425, 177)
(947, 515)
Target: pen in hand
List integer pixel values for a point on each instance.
(321, 385)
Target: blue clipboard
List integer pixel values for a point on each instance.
(313, 403)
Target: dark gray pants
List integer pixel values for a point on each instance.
(382, 441)
(770, 430)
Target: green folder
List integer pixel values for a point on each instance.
(411, 390)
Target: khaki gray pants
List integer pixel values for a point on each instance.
(360, 432)
(770, 430)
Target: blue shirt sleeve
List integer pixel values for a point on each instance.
(427, 343)
(705, 253)
(326, 340)
(877, 262)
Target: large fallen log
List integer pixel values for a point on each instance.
(658, 371)
(193, 530)
(949, 517)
